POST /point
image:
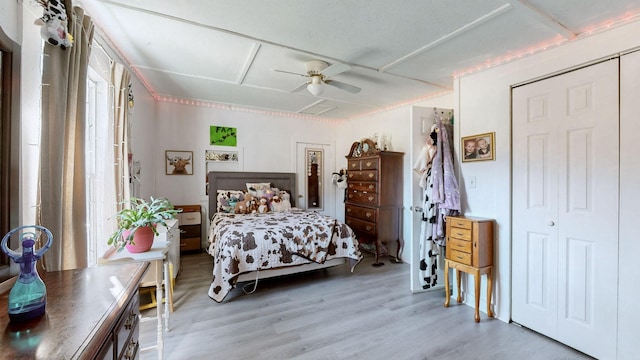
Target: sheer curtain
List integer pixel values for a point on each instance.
(63, 182)
(120, 79)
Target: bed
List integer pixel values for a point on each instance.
(250, 247)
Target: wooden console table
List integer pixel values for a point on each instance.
(470, 250)
(91, 314)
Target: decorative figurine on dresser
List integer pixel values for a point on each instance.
(373, 205)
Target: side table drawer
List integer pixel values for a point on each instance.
(460, 222)
(459, 245)
(459, 233)
(459, 256)
(190, 218)
(189, 244)
(189, 231)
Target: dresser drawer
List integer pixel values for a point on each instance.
(362, 164)
(367, 214)
(458, 233)
(363, 175)
(459, 245)
(459, 256)
(190, 218)
(126, 331)
(362, 197)
(364, 186)
(358, 225)
(369, 164)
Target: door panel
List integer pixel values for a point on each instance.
(565, 209)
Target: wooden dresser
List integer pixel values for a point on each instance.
(373, 205)
(190, 220)
(470, 250)
(91, 314)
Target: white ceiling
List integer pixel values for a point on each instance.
(225, 51)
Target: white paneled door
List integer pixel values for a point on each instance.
(565, 207)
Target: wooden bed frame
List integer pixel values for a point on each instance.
(234, 180)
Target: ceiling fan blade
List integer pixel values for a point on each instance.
(335, 69)
(300, 88)
(289, 72)
(340, 85)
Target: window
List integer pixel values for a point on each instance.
(99, 161)
(9, 141)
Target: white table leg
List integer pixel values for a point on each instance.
(158, 269)
(167, 292)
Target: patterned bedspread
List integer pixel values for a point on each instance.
(249, 242)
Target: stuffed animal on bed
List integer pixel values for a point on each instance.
(54, 23)
(280, 205)
(264, 206)
(240, 209)
(250, 204)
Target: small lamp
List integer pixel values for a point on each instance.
(315, 87)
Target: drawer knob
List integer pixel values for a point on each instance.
(368, 214)
(370, 198)
(371, 175)
(371, 187)
(368, 228)
(349, 210)
(368, 163)
(550, 223)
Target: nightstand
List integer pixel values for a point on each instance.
(190, 222)
(470, 250)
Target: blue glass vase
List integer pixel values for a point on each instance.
(28, 297)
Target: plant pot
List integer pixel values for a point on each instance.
(143, 239)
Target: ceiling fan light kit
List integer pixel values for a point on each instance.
(315, 86)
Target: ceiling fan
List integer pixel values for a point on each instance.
(318, 71)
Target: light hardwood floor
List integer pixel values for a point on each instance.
(334, 314)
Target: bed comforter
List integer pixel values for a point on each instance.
(253, 242)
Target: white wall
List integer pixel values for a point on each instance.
(11, 19)
(482, 104)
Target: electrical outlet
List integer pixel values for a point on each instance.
(472, 182)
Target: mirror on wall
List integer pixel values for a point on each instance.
(314, 166)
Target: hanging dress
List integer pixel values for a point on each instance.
(428, 248)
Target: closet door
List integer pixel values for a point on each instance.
(565, 207)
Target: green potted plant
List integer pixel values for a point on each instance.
(137, 223)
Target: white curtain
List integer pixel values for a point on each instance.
(62, 181)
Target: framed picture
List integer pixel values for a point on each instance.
(223, 136)
(478, 147)
(215, 155)
(179, 162)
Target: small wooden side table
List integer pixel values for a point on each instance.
(470, 250)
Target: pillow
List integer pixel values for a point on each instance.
(226, 200)
(258, 189)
